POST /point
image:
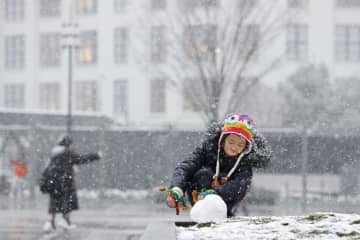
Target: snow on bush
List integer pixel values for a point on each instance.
(314, 226)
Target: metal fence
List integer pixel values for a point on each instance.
(144, 159)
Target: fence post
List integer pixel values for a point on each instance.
(304, 169)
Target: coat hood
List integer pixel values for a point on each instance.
(57, 150)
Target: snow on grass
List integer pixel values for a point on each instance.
(314, 226)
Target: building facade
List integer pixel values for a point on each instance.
(113, 67)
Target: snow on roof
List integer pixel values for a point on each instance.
(314, 226)
(42, 118)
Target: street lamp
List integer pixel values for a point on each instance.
(70, 38)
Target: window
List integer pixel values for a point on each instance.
(14, 52)
(121, 42)
(191, 98)
(347, 43)
(158, 44)
(50, 49)
(158, 97)
(191, 4)
(14, 10)
(49, 96)
(87, 52)
(86, 96)
(87, 7)
(50, 8)
(297, 3)
(14, 96)
(158, 4)
(297, 42)
(120, 97)
(246, 5)
(120, 6)
(248, 41)
(348, 3)
(200, 41)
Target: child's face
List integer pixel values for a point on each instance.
(234, 145)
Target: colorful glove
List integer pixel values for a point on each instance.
(178, 195)
(204, 192)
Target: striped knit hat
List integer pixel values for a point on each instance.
(240, 124)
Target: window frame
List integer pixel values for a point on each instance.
(87, 50)
(15, 47)
(297, 41)
(49, 95)
(158, 44)
(157, 96)
(50, 49)
(121, 45)
(87, 96)
(14, 95)
(120, 97)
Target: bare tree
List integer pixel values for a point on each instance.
(217, 52)
(310, 98)
(347, 99)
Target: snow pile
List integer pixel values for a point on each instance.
(210, 209)
(315, 226)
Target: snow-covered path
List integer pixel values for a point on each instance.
(103, 219)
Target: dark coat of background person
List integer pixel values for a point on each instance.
(62, 161)
(205, 156)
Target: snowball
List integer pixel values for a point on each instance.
(210, 209)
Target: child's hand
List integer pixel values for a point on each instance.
(170, 200)
(214, 183)
(205, 192)
(223, 180)
(175, 195)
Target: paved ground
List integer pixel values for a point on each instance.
(119, 219)
(107, 219)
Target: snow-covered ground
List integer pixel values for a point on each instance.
(314, 226)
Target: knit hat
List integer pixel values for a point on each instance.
(242, 125)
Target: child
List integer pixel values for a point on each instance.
(223, 163)
(62, 161)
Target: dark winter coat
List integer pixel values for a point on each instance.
(62, 161)
(205, 156)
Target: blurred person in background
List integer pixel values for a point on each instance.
(58, 181)
(18, 182)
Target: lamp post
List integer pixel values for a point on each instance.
(70, 39)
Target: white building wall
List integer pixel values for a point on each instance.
(1, 54)
(321, 17)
